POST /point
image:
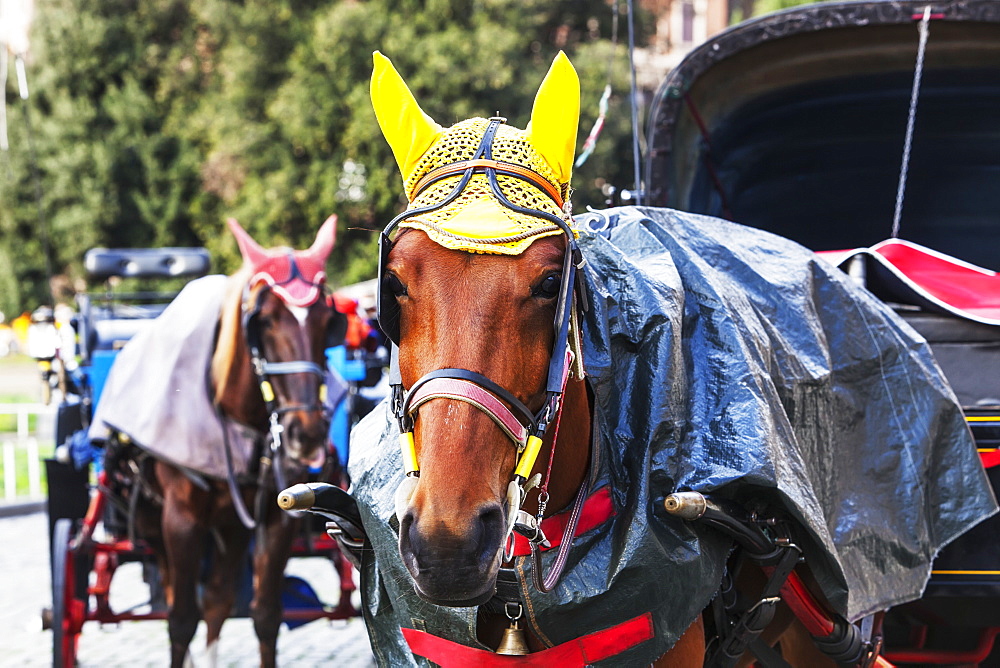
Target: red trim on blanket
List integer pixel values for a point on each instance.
(582, 651)
(597, 510)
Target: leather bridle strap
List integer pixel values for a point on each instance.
(474, 395)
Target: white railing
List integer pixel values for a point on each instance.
(23, 443)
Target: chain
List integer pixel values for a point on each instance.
(918, 73)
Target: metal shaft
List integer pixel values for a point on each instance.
(297, 497)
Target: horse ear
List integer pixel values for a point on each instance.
(409, 131)
(252, 252)
(555, 117)
(325, 239)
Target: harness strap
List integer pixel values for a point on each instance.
(285, 368)
(246, 519)
(581, 651)
(546, 583)
(470, 393)
(482, 381)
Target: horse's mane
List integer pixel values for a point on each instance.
(230, 359)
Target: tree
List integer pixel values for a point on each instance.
(111, 175)
(156, 120)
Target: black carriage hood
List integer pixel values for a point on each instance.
(723, 359)
(795, 123)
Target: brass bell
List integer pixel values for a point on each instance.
(513, 642)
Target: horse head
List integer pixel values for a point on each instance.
(269, 364)
(476, 291)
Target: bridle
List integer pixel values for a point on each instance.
(263, 371)
(523, 427)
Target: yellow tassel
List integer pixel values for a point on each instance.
(322, 393)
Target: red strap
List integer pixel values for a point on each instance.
(807, 609)
(597, 509)
(588, 649)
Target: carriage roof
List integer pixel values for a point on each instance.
(795, 123)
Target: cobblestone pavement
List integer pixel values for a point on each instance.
(25, 590)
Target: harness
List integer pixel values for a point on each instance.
(524, 428)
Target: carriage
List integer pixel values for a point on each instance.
(797, 123)
(91, 513)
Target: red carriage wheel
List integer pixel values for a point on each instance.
(67, 610)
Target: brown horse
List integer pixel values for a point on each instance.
(452, 543)
(266, 374)
(481, 309)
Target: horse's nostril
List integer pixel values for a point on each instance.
(491, 531)
(407, 536)
(491, 518)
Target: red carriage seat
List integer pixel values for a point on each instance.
(906, 272)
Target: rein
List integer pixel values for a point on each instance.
(525, 429)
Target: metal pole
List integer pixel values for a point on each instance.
(43, 228)
(34, 472)
(635, 106)
(9, 472)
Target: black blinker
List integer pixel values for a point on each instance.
(336, 329)
(388, 307)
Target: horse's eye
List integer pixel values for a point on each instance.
(548, 288)
(395, 285)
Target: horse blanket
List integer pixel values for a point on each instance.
(158, 391)
(727, 360)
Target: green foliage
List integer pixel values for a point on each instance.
(768, 6)
(153, 121)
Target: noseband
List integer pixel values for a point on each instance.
(522, 426)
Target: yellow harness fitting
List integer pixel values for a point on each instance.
(267, 391)
(528, 457)
(409, 450)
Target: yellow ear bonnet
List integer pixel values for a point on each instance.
(555, 117)
(477, 221)
(409, 131)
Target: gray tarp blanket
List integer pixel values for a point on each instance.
(723, 359)
(158, 390)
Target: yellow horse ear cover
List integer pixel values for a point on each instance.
(477, 221)
(409, 131)
(555, 117)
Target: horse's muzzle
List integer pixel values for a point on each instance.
(306, 441)
(453, 569)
